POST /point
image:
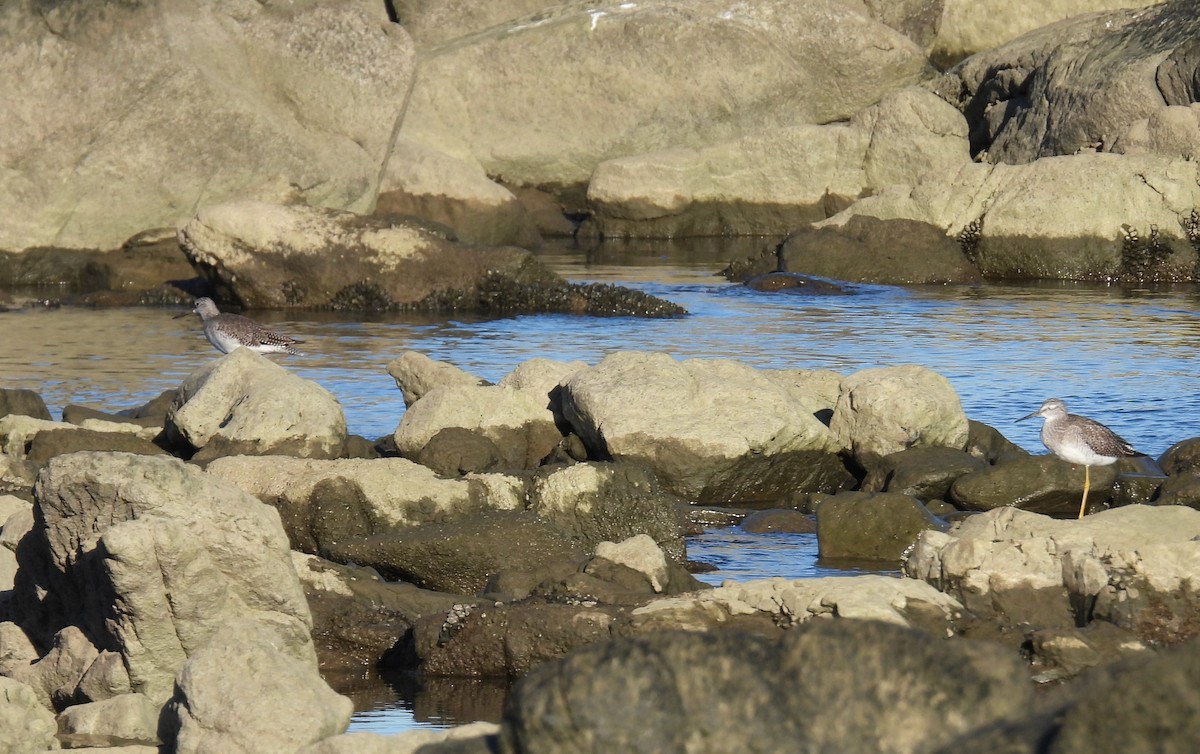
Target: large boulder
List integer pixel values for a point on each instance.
(708, 429)
(274, 256)
(1131, 566)
(696, 691)
(323, 502)
(181, 553)
(888, 409)
(772, 181)
(871, 526)
(243, 693)
(598, 502)
(24, 402)
(245, 404)
(689, 74)
(25, 725)
(1079, 84)
(221, 100)
(432, 185)
(517, 422)
(967, 27)
(1030, 221)
(416, 374)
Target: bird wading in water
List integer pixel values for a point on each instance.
(229, 331)
(1080, 440)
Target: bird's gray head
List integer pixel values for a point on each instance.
(206, 308)
(1051, 408)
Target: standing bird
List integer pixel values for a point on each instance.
(1077, 439)
(230, 331)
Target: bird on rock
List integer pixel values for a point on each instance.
(229, 331)
(1080, 440)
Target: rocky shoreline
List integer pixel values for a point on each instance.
(533, 528)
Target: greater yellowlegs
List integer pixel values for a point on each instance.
(229, 331)
(1077, 439)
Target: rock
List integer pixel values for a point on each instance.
(905, 602)
(709, 429)
(773, 180)
(416, 374)
(458, 556)
(889, 409)
(182, 551)
(871, 526)
(277, 256)
(923, 473)
(16, 650)
(25, 725)
(16, 519)
(642, 554)
(780, 520)
(55, 676)
(964, 30)
(1125, 691)
(105, 678)
(805, 687)
(22, 402)
(542, 377)
(516, 421)
(240, 693)
(245, 404)
(1180, 489)
(1025, 221)
(271, 95)
(1066, 652)
(1044, 94)
(49, 443)
(325, 502)
(129, 717)
(17, 432)
(1042, 484)
(422, 182)
(357, 616)
(913, 252)
(506, 641)
(1125, 566)
(990, 446)
(595, 502)
(1182, 457)
(452, 108)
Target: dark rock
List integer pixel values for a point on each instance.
(56, 442)
(1182, 488)
(795, 283)
(507, 640)
(925, 473)
(871, 526)
(352, 631)
(1058, 653)
(1182, 457)
(776, 519)
(460, 556)
(79, 414)
(869, 250)
(1042, 484)
(609, 502)
(455, 451)
(23, 403)
(758, 477)
(1137, 705)
(695, 692)
(988, 444)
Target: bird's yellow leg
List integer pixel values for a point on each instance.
(1087, 478)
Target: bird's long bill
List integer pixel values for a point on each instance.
(181, 316)
(1027, 416)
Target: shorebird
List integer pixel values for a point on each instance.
(1078, 439)
(229, 331)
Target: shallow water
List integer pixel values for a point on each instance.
(1122, 356)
